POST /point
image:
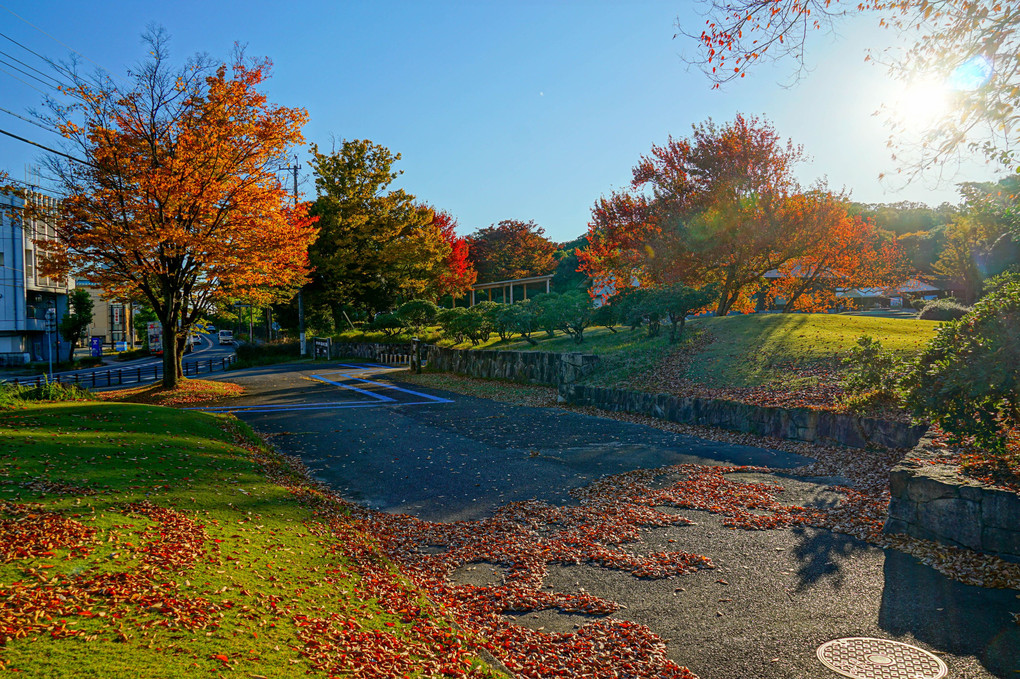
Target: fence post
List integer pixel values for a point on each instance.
(120, 377)
(155, 371)
(77, 378)
(93, 373)
(139, 380)
(37, 382)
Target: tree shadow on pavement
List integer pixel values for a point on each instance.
(950, 616)
(822, 555)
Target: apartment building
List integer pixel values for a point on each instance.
(25, 294)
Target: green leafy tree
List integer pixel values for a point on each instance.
(673, 303)
(503, 319)
(452, 323)
(75, 324)
(526, 320)
(545, 306)
(375, 244)
(574, 313)
(605, 317)
(387, 323)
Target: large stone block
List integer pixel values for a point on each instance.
(1001, 541)
(926, 489)
(902, 510)
(954, 519)
(1001, 509)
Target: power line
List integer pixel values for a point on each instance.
(45, 148)
(29, 66)
(51, 38)
(26, 73)
(3, 70)
(29, 120)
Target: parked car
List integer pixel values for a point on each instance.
(226, 337)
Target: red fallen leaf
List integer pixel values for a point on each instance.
(219, 656)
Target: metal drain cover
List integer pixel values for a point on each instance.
(864, 658)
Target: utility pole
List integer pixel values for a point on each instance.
(300, 299)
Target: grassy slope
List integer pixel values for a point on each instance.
(259, 543)
(758, 349)
(744, 351)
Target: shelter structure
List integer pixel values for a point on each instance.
(506, 288)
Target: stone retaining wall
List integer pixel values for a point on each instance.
(800, 424)
(534, 367)
(367, 350)
(935, 502)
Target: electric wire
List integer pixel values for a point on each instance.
(10, 56)
(51, 38)
(45, 148)
(28, 120)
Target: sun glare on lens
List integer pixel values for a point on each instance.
(922, 102)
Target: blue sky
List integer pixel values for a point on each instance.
(500, 110)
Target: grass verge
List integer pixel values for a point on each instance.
(137, 540)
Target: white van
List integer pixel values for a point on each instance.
(226, 337)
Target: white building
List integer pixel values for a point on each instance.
(25, 295)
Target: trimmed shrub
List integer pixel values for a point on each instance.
(947, 309)
(387, 323)
(451, 324)
(417, 314)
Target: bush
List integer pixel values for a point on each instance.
(12, 395)
(503, 319)
(967, 380)
(943, 310)
(543, 305)
(388, 323)
(254, 352)
(573, 312)
(417, 314)
(873, 375)
(451, 324)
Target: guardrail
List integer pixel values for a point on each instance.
(115, 377)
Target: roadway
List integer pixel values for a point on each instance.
(774, 597)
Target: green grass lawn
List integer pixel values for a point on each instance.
(241, 575)
(731, 351)
(758, 349)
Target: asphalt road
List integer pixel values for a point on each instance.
(115, 374)
(445, 457)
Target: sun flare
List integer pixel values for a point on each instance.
(922, 102)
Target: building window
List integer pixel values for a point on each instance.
(29, 268)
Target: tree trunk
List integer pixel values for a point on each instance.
(171, 362)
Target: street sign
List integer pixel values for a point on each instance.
(321, 348)
(51, 320)
(96, 346)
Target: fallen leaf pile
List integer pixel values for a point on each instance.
(53, 604)
(187, 392)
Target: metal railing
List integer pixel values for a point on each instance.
(114, 377)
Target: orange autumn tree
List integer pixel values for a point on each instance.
(712, 209)
(179, 202)
(840, 250)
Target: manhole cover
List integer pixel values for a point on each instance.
(863, 658)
